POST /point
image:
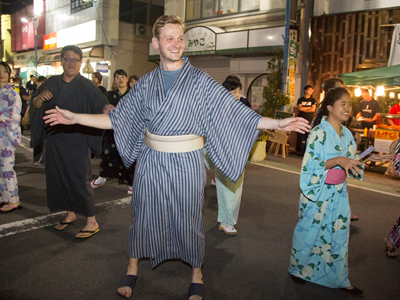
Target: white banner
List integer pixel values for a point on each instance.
(394, 58)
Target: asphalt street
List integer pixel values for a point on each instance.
(38, 262)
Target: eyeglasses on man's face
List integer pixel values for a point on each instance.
(71, 60)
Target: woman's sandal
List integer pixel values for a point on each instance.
(9, 208)
(390, 250)
(196, 289)
(129, 281)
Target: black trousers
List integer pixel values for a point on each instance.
(301, 142)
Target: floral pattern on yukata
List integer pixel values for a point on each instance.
(10, 137)
(320, 239)
(394, 235)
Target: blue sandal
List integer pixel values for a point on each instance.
(196, 289)
(127, 280)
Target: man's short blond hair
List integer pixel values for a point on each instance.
(164, 20)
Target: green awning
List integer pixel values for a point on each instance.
(388, 76)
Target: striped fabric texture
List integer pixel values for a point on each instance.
(169, 187)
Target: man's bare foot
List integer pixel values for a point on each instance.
(128, 281)
(92, 227)
(125, 291)
(69, 219)
(196, 289)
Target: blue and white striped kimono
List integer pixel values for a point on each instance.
(168, 188)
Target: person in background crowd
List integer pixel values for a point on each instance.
(111, 165)
(394, 110)
(321, 237)
(368, 110)
(25, 97)
(161, 123)
(68, 166)
(97, 78)
(10, 137)
(229, 194)
(40, 147)
(330, 84)
(132, 80)
(307, 106)
(31, 85)
(41, 80)
(392, 241)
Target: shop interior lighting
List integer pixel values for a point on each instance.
(357, 92)
(370, 92)
(398, 96)
(380, 91)
(24, 20)
(391, 95)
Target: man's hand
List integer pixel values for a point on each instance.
(107, 108)
(45, 96)
(59, 116)
(294, 124)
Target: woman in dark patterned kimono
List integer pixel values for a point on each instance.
(111, 165)
(392, 241)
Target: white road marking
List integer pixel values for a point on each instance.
(51, 219)
(22, 144)
(349, 184)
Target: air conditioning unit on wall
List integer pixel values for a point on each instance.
(142, 30)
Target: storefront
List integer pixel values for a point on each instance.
(243, 53)
(79, 35)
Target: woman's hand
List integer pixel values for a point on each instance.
(350, 165)
(59, 116)
(294, 124)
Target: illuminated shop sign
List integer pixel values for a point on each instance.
(74, 35)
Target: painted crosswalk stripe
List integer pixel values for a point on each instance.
(51, 219)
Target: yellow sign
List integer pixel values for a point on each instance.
(385, 134)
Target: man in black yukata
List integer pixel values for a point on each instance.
(160, 124)
(68, 148)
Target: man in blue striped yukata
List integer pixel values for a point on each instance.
(161, 124)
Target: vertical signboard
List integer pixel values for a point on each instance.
(293, 50)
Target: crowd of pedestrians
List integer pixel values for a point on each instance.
(151, 134)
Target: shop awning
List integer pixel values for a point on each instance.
(47, 59)
(388, 76)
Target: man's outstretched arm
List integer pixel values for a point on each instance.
(289, 124)
(61, 116)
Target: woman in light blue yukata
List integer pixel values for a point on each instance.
(321, 237)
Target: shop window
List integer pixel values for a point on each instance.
(139, 12)
(255, 92)
(204, 9)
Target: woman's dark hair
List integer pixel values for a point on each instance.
(333, 95)
(8, 69)
(98, 76)
(133, 77)
(331, 82)
(41, 79)
(231, 83)
(120, 72)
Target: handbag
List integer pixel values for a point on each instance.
(25, 119)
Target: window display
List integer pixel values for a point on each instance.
(203, 9)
